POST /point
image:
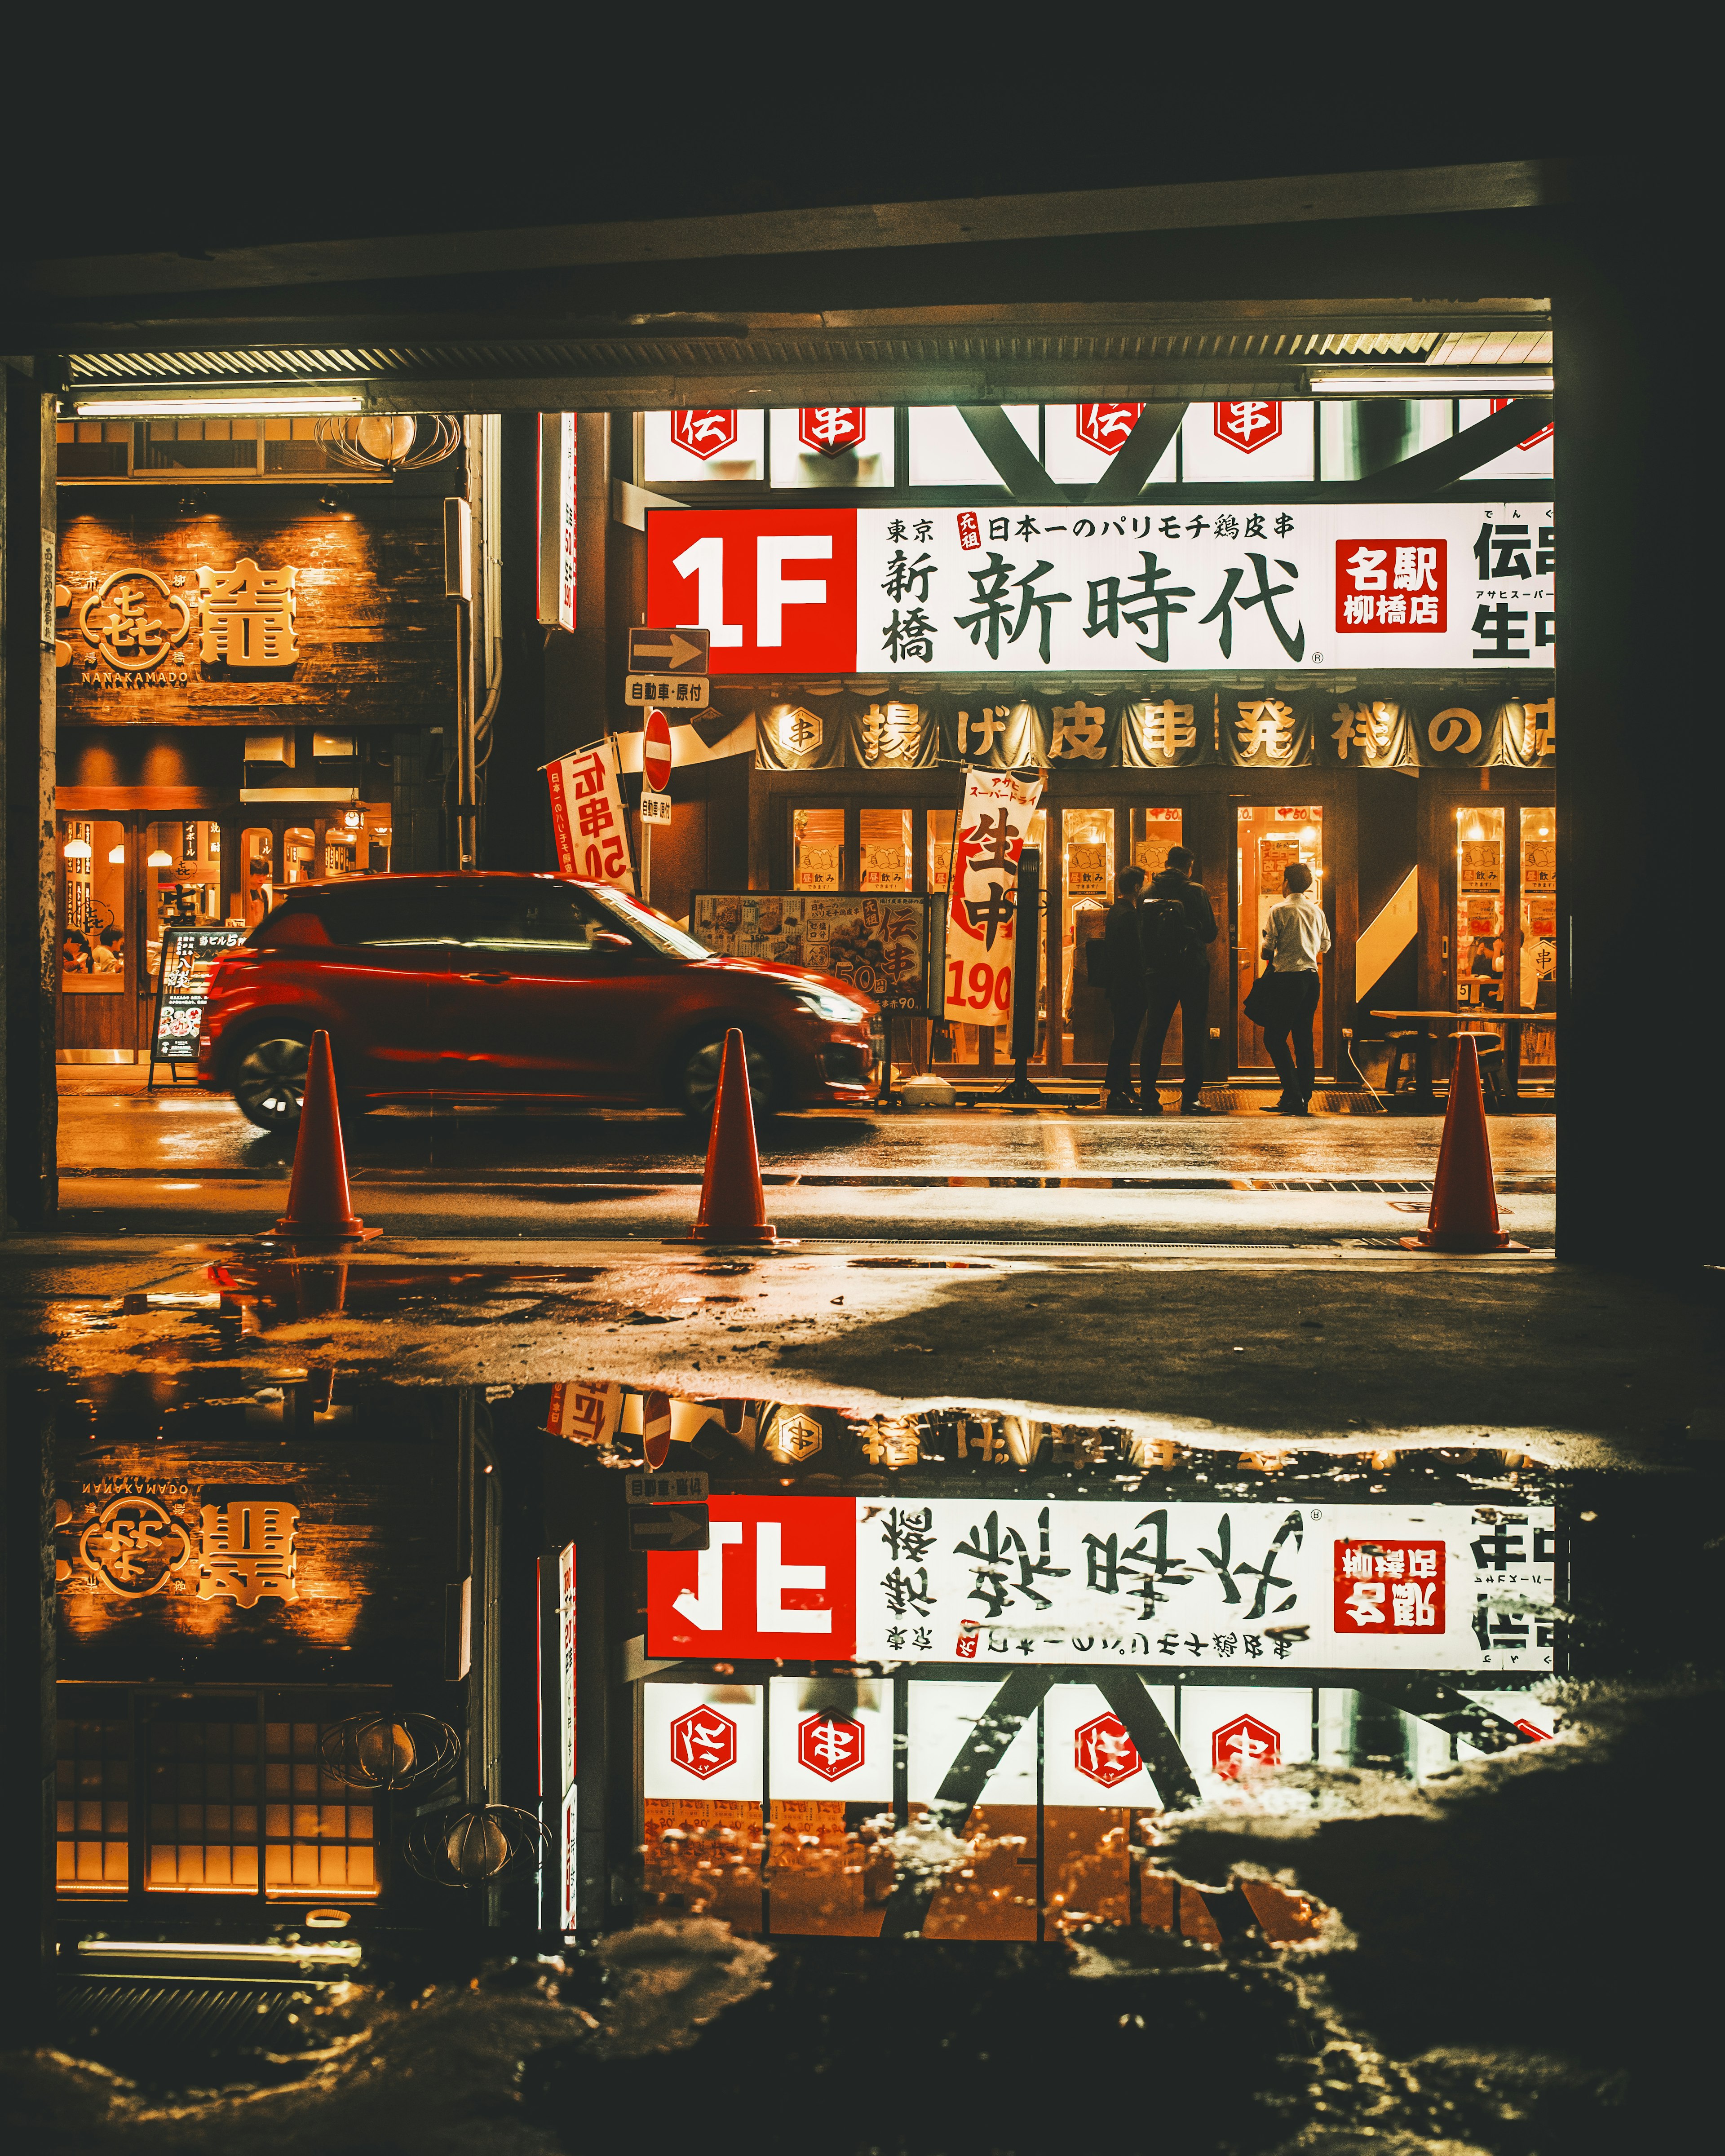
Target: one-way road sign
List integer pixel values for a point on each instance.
(668, 1527)
(668, 650)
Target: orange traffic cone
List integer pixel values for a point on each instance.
(733, 1206)
(1464, 1199)
(320, 1209)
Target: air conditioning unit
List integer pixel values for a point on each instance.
(269, 748)
(333, 745)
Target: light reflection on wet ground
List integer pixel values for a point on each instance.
(1395, 1939)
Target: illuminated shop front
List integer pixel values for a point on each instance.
(1247, 660)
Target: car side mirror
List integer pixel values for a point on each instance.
(608, 939)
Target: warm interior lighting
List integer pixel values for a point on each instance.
(351, 819)
(78, 849)
(1428, 382)
(161, 858)
(341, 1950)
(1544, 831)
(116, 857)
(1310, 832)
(254, 404)
(1475, 829)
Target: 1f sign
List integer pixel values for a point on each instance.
(556, 519)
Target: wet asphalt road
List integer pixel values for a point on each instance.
(137, 1161)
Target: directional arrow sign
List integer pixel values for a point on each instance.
(668, 650)
(668, 1527)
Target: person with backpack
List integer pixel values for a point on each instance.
(1125, 970)
(1175, 925)
(1295, 937)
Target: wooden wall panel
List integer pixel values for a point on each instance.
(375, 635)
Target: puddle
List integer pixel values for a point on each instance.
(1219, 1769)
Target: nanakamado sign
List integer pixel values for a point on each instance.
(1348, 585)
(1176, 1585)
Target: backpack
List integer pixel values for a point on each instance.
(1169, 941)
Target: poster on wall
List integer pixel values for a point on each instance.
(982, 898)
(877, 942)
(1278, 586)
(189, 958)
(588, 817)
(1096, 1582)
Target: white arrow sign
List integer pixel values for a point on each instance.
(668, 650)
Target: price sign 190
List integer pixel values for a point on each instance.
(984, 986)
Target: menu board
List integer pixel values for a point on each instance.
(188, 958)
(879, 944)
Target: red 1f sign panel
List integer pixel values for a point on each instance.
(777, 1582)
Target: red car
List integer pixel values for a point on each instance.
(525, 988)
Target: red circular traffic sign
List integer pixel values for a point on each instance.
(656, 752)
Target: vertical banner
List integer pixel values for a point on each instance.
(566, 1721)
(585, 1414)
(983, 894)
(587, 813)
(556, 519)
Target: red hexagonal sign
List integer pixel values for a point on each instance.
(704, 434)
(1105, 426)
(1102, 1751)
(1248, 423)
(1245, 1743)
(703, 1742)
(830, 1745)
(830, 429)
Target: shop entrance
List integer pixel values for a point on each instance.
(1270, 836)
(1496, 872)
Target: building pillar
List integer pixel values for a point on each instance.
(28, 1101)
(26, 1684)
(1633, 979)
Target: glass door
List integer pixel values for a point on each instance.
(1086, 892)
(1270, 838)
(1536, 969)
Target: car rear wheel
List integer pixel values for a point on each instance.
(698, 1080)
(270, 1083)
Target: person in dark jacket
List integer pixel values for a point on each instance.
(1125, 968)
(1176, 927)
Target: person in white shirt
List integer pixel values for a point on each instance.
(1295, 937)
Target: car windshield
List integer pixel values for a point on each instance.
(644, 921)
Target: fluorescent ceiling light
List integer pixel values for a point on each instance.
(259, 404)
(1428, 382)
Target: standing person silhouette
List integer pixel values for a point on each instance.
(1295, 937)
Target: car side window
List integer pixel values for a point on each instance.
(386, 914)
(528, 917)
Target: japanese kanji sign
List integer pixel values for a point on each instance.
(1218, 1585)
(982, 899)
(830, 429)
(587, 817)
(1211, 586)
(1247, 423)
(247, 616)
(704, 434)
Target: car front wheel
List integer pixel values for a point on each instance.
(698, 1080)
(269, 1084)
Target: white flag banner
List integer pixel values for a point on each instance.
(588, 817)
(983, 896)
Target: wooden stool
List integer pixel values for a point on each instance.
(1401, 1047)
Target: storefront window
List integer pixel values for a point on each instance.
(256, 869)
(885, 849)
(183, 881)
(1480, 944)
(817, 849)
(356, 843)
(1088, 863)
(1539, 934)
(93, 870)
(298, 848)
(1269, 839)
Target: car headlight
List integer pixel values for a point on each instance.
(840, 1009)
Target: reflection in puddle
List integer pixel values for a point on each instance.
(939, 1680)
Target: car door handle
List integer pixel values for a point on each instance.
(485, 977)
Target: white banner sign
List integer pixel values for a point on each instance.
(1208, 586)
(588, 816)
(1182, 1586)
(982, 897)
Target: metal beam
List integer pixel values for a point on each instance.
(1019, 467)
(1415, 477)
(1138, 454)
(1425, 191)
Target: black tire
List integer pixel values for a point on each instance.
(696, 1080)
(269, 1081)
